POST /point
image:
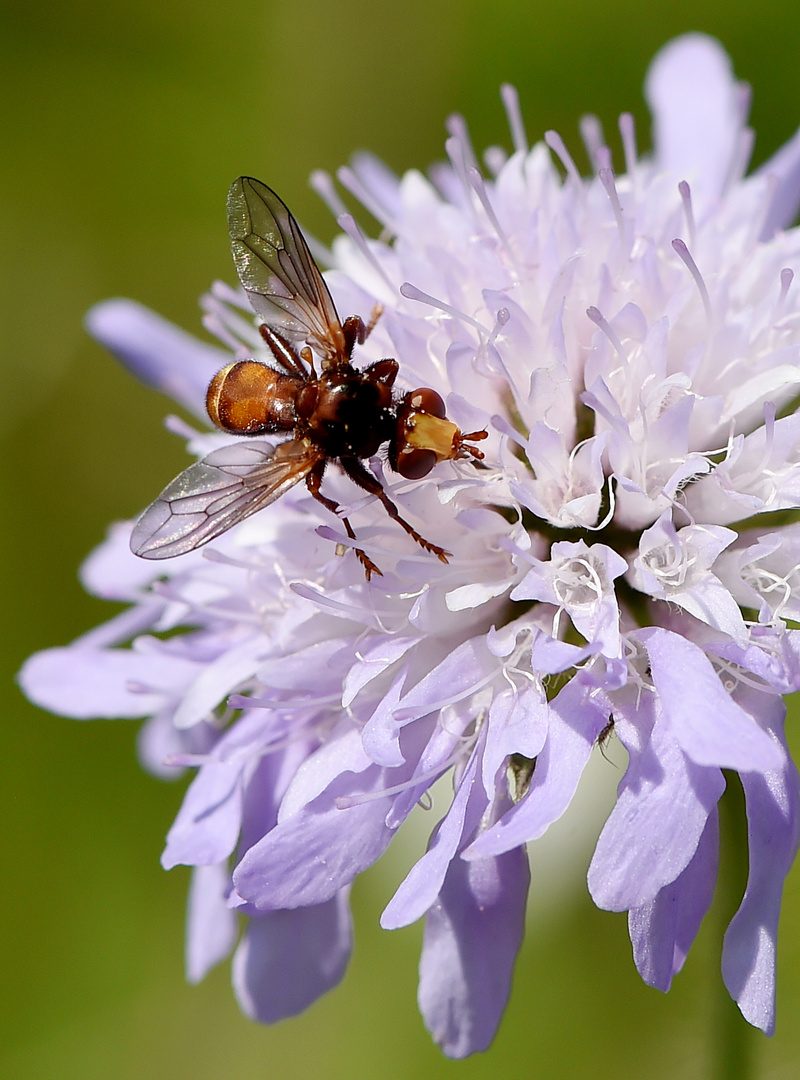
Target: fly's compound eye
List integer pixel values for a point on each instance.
(413, 463)
(427, 401)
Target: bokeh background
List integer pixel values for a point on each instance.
(123, 126)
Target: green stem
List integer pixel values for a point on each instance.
(733, 1038)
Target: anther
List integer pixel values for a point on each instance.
(494, 158)
(456, 125)
(500, 320)
(510, 98)
(461, 162)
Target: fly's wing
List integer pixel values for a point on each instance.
(216, 493)
(278, 271)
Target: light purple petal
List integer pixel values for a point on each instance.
(576, 719)
(156, 352)
(288, 959)
(460, 674)
(336, 756)
(663, 930)
(783, 171)
(698, 115)
(381, 733)
(373, 662)
(653, 831)
(208, 822)
(210, 924)
(306, 859)
(423, 882)
(113, 572)
(217, 678)
(517, 725)
(710, 727)
(86, 683)
(748, 958)
(472, 936)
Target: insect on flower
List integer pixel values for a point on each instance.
(341, 414)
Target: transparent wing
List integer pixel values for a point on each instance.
(278, 272)
(216, 493)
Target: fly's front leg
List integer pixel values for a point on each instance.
(313, 481)
(364, 478)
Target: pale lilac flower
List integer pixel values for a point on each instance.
(631, 340)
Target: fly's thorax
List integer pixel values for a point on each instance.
(351, 413)
(249, 397)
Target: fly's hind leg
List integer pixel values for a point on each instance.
(313, 481)
(364, 478)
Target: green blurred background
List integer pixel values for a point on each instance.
(123, 127)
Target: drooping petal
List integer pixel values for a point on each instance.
(307, 858)
(748, 958)
(472, 935)
(425, 879)
(288, 959)
(208, 822)
(652, 833)
(210, 924)
(662, 931)
(87, 683)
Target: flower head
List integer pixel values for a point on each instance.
(631, 341)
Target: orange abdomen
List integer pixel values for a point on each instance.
(249, 397)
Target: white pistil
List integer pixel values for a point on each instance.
(682, 251)
(411, 292)
(348, 179)
(607, 180)
(602, 323)
(477, 184)
(322, 183)
(556, 144)
(627, 130)
(592, 134)
(348, 224)
(510, 99)
(686, 199)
